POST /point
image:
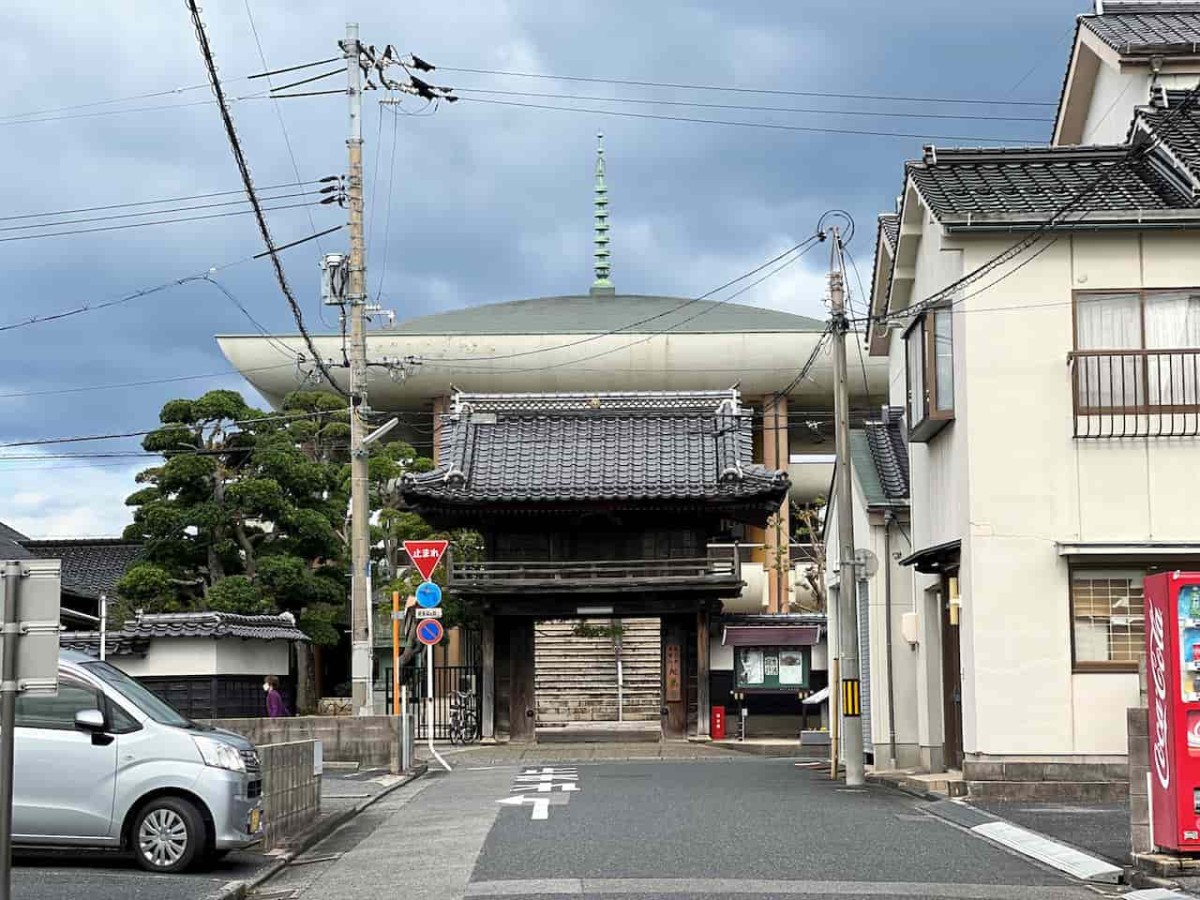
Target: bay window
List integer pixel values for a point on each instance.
(929, 344)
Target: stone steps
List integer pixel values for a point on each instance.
(576, 677)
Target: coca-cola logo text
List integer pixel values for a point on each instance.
(1158, 673)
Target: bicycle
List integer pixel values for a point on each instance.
(464, 723)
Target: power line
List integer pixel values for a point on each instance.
(151, 212)
(164, 200)
(742, 90)
(291, 417)
(75, 231)
(757, 108)
(287, 140)
(631, 325)
(116, 112)
(387, 221)
(767, 125)
(146, 383)
(652, 335)
(259, 214)
(1053, 221)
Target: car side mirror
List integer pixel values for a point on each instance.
(90, 720)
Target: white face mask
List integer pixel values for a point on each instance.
(266, 687)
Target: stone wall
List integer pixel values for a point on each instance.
(291, 790)
(371, 741)
(1138, 724)
(1050, 779)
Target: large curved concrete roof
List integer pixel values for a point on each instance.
(623, 342)
(622, 313)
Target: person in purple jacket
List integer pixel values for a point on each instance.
(276, 708)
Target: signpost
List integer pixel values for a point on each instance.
(425, 556)
(30, 598)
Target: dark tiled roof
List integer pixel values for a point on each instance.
(889, 225)
(215, 625)
(90, 567)
(10, 543)
(1179, 130)
(1034, 183)
(118, 644)
(555, 448)
(879, 454)
(889, 450)
(1148, 28)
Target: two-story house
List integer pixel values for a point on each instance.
(1040, 312)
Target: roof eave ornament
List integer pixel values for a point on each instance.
(603, 285)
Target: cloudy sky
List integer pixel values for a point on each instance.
(479, 202)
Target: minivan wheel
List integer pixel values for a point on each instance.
(168, 835)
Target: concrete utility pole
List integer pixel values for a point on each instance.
(851, 730)
(356, 298)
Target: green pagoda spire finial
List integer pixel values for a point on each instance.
(602, 284)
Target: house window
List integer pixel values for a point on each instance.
(1107, 618)
(930, 356)
(1136, 350)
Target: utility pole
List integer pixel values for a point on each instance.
(356, 298)
(850, 697)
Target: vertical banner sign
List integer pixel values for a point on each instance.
(425, 555)
(674, 680)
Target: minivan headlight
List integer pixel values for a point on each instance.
(219, 755)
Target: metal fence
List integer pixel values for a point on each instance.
(446, 681)
(1136, 393)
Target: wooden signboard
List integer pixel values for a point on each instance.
(674, 679)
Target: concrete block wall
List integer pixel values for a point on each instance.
(1138, 724)
(291, 790)
(371, 741)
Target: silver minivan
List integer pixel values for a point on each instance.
(106, 763)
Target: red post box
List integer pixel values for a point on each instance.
(717, 723)
(1173, 684)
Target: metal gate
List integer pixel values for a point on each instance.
(447, 680)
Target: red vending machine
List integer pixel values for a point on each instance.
(1173, 690)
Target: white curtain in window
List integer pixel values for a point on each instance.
(916, 374)
(1172, 323)
(1109, 322)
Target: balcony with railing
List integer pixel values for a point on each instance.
(1136, 393)
(523, 577)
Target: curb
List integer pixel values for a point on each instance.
(904, 788)
(238, 890)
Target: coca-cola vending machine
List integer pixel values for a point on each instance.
(1173, 689)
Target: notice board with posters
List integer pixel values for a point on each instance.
(771, 668)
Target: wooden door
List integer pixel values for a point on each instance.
(951, 683)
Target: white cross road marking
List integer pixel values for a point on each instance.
(548, 770)
(541, 805)
(543, 779)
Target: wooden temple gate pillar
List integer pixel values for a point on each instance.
(703, 702)
(488, 688)
(522, 724)
(674, 677)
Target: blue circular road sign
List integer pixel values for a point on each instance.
(430, 631)
(429, 594)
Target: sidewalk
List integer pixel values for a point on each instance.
(517, 754)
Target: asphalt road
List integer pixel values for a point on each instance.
(1101, 829)
(703, 829)
(72, 875)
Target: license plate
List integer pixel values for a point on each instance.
(255, 820)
